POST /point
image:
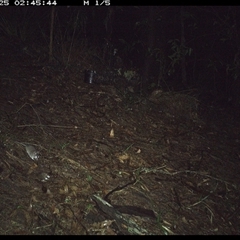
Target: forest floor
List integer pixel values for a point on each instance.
(111, 161)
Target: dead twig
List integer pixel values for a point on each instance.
(53, 126)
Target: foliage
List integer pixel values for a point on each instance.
(211, 41)
(17, 27)
(178, 52)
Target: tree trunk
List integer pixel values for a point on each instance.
(150, 46)
(51, 35)
(183, 44)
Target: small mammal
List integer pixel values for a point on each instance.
(31, 151)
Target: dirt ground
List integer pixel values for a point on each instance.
(110, 160)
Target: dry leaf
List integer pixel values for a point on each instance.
(69, 213)
(123, 158)
(64, 190)
(184, 220)
(56, 211)
(74, 188)
(112, 133)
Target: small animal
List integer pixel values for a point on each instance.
(31, 151)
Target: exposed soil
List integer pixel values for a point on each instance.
(111, 161)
